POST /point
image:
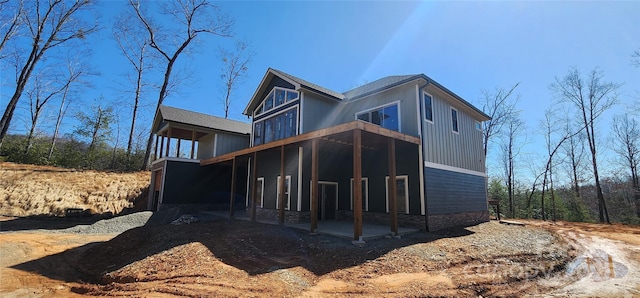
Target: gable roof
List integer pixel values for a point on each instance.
(297, 83)
(358, 92)
(300, 83)
(377, 85)
(176, 115)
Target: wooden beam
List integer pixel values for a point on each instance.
(155, 149)
(393, 198)
(161, 145)
(233, 190)
(254, 189)
(168, 154)
(178, 149)
(281, 186)
(321, 133)
(193, 142)
(314, 185)
(357, 185)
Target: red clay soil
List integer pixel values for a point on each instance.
(232, 259)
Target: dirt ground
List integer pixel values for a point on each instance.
(222, 258)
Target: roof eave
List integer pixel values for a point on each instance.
(456, 96)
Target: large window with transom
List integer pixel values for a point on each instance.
(278, 126)
(276, 117)
(276, 98)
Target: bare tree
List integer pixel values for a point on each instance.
(43, 90)
(635, 58)
(134, 46)
(10, 20)
(626, 143)
(591, 99)
(514, 126)
(499, 106)
(574, 152)
(235, 68)
(75, 71)
(50, 24)
(196, 17)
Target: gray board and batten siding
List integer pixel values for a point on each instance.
(442, 145)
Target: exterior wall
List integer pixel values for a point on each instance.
(317, 112)
(269, 169)
(450, 192)
(404, 94)
(190, 183)
(336, 165)
(441, 145)
(404, 220)
(464, 219)
(289, 216)
(205, 147)
(227, 143)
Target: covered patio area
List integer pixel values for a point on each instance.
(357, 135)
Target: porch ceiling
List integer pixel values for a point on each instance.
(374, 136)
(185, 134)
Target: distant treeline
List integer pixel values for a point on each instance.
(69, 152)
(565, 204)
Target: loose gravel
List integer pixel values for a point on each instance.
(114, 225)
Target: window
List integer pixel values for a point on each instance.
(257, 133)
(402, 193)
(386, 117)
(279, 126)
(260, 191)
(428, 107)
(365, 194)
(277, 97)
(479, 125)
(454, 120)
(287, 193)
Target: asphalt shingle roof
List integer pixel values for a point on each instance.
(377, 85)
(309, 85)
(203, 120)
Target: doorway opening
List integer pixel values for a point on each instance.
(327, 200)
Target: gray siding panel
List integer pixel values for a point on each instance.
(318, 113)
(205, 147)
(269, 169)
(452, 192)
(229, 143)
(405, 95)
(443, 146)
(190, 183)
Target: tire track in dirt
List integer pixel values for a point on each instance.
(602, 267)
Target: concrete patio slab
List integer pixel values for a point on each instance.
(341, 229)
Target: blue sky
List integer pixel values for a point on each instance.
(465, 46)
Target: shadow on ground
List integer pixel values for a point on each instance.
(46, 222)
(255, 248)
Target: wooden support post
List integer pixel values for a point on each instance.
(357, 185)
(393, 198)
(314, 185)
(193, 143)
(168, 154)
(281, 187)
(178, 148)
(233, 189)
(155, 149)
(254, 186)
(161, 145)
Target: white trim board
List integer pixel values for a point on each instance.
(453, 169)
